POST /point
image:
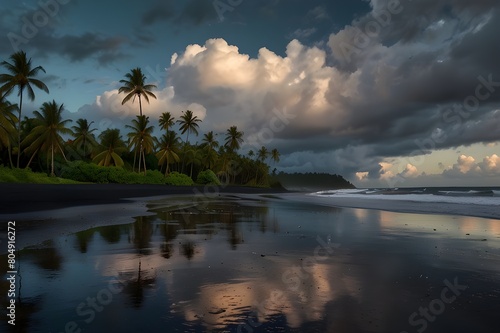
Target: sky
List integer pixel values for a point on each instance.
(386, 93)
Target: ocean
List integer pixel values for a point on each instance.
(455, 195)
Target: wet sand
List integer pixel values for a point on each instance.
(231, 262)
(17, 198)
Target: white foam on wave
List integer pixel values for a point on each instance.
(471, 200)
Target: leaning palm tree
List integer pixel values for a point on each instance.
(110, 148)
(166, 121)
(135, 86)
(234, 139)
(141, 139)
(84, 138)
(7, 126)
(188, 123)
(46, 136)
(21, 75)
(169, 148)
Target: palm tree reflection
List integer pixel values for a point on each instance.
(134, 287)
(188, 249)
(141, 236)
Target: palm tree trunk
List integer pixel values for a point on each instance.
(140, 105)
(84, 149)
(144, 160)
(19, 126)
(31, 159)
(52, 174)
(10, 156)
(139, 163)
(135, 158)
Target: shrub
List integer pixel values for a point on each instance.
(8, 175)
(155, 177)
(175, 178)
(207, 177)
(86, 172)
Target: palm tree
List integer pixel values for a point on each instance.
(84, 138)
(21, 75)
(275, 155)
(111, 147)
(234, 138)
(209, 145)
(46, 136)
(209, 142)
(188, 123)
(169, 149)
(7, 126)
(135, 86)
(262, 154)
(193, 157)
(166, 121)
(141, 139)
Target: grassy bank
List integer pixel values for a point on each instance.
(26, 176)
(80, 172)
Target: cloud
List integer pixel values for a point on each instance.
(303, 33)
(467, 166)
(410, 171)
(490, 165)
(160, 11)
(365, 97)
(197, 12)
(191, 12)
(318, 13)
(107, 110)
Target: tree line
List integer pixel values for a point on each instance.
(46, 140)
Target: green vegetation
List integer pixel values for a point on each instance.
(8, 175)
(48, 144)
(312, 181)
(207, 177)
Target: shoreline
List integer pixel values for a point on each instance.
(400, 206)
(88, 206)
(23, 198)
(37, 200)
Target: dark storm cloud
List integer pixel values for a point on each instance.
(159, 12)
(439, 53)
(197, 12)
(192, 12)
(45, 40)
(79, 48)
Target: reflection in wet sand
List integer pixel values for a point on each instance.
(229, 262)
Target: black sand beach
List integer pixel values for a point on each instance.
(246, 260)
(17, 198)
